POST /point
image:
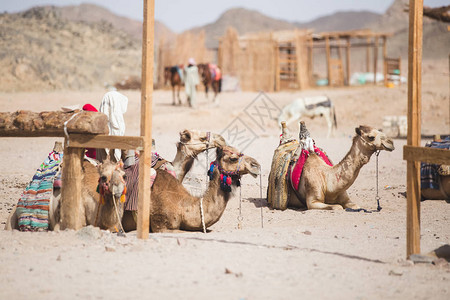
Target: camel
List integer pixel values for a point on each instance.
(174, 209)
(191, 144)
(108, 178)
(325, 187)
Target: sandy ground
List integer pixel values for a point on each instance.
(297, 254)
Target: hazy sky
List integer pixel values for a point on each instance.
(180, 15)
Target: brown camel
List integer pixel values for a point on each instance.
(108, 179)
(173, 208)
(325, 187)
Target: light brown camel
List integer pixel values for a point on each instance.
(108, 178)
(325, 187)
(191, 144)
(443, 193)
(173, 208)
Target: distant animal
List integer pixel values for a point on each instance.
(173, 74)
(310, 107)
(211, 77)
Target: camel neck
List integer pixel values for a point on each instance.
(215, 200)
(182, 162)
(347, 170)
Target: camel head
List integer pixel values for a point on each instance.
(231, 161)
(112, 179)
(374, 139)
(194, 142)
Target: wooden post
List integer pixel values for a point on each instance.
(277, 67)
(327, 49)
(71, 188)
(311, 63)
(384, 61)
(347, 62)
(375, 60)
(414, 126)
(368, 40)
(145, 160)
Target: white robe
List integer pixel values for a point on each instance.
(114, 105)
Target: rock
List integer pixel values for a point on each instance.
(417, 259)
(90, 233)
(110, 248)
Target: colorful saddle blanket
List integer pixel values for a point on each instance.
(296, 171)
(33, 206)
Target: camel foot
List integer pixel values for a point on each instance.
(351, 205)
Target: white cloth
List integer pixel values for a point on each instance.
(114, 105)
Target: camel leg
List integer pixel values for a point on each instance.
(316, 202)
(344, 200)
(12, 222)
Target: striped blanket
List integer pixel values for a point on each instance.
(429, 176)
(33, 206)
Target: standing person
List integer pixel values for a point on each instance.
(114, 105)
(191, 79)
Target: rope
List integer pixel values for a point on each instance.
(260, 197)
(202, 215)
(240, 218)
(121, 231)
(65, 128)
(377, 197)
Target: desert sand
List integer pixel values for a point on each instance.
(271, 254)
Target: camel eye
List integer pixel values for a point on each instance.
(371, 138)
(234, 159)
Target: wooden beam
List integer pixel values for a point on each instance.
(426, 154)
(24, 123)
(368, 56)
(414, 125)
(327, 49)
(71, 189)
(106, 141)
(347, 62)
(145, 161)
(375, 61)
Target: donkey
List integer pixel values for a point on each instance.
(310, 107)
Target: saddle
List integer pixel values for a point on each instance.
(287, 166)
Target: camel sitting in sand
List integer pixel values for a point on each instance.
(173, 208)
(108, 179)
(191, 144)
(325, 187)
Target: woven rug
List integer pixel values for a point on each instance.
(33, 206)
(429, 173)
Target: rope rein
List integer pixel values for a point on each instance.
(377, 197)
(65, 128)
(121, 231)
(202, 215)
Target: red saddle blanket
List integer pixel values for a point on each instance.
(296, 171)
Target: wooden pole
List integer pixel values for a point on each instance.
(145, 161)
(375, 60)
(327, 49)
(368, 55)
(384, 61)
(347, 62)
(414, 131)
(71, 188)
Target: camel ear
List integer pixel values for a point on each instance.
(358, 130)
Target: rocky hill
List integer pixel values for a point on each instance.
(244, 21)
(41, 50)
(341, 21)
